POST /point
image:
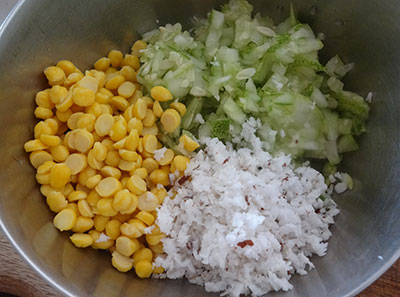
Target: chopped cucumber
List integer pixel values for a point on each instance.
(235, 66)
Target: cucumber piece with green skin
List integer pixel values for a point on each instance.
(237, 66)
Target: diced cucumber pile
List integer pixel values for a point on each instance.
(235, 66)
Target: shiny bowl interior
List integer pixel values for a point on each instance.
(366, 238)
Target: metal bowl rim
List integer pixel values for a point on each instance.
(3, 27)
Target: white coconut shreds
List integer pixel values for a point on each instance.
(102, 238)
(159, 154)
(242, 222)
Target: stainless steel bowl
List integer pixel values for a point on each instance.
(366, 238)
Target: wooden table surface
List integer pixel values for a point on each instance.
(16, 277)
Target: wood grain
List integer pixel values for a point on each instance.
(16, 277)
(388, 285)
